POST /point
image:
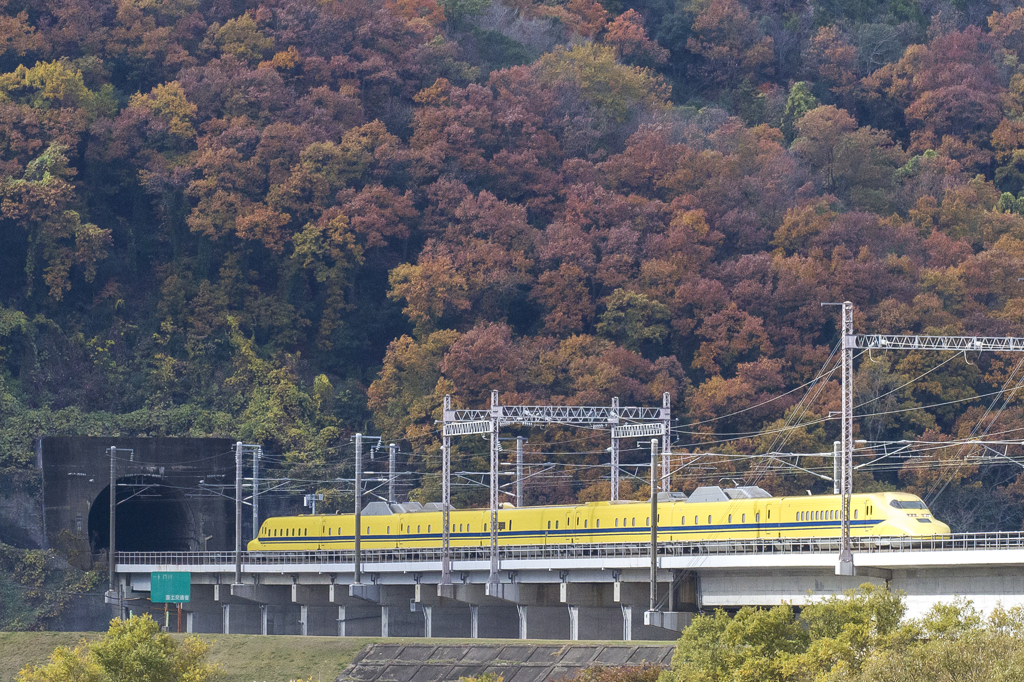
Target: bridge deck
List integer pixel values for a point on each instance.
(974, 549)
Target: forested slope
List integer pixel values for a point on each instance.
(290, 220)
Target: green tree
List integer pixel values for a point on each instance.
(755, 645)
(602, 81)
(633, 320)
(132, 650)
(799, 102)
(457, 12)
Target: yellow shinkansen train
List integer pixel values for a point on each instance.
(710, 513)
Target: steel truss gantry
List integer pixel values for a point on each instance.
(623, 422)
(852, 342)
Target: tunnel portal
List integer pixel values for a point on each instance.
(151, 517)
(174, 494)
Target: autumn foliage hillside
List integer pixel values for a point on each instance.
(287, 221)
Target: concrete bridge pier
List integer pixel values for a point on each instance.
(278, 614)
(201, 614)
(399, 616)
(316, 615)
(544, 622)
(443, 617)
(634, 598)
(240, 618)
(359, 621)
(469, 612)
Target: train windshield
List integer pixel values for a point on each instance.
(907, 504)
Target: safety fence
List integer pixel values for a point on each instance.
(759, 546)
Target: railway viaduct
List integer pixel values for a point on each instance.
(564, 592)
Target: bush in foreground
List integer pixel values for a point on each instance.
(133, 650)
(857, 637)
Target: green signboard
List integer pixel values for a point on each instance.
(170, 586)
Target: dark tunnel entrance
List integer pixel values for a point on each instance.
(151, 517)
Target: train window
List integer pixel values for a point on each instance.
(417, 529)
(389, 530)
(485, 527)
(460, 527)
(682, 521)
(577, 520)
(854, 513)
(648, 522)
(305, 531)
(401, 527)
(428, 527)
(907, 504)
(709, 519)
(624, 522)
(634, 521)
(510, 525)
(616, 520)
(757, 517)
(597, 523)
(696, 520)
(556, 525)
(769, 513)
(549, 525)
(730, 518)
(743, 518)
(584, 523)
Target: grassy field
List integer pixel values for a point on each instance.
(244, 658)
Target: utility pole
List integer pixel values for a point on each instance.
(846, 548)
(238, 512)
(615, 451)
(849, 343)
(666, 447)
(256, 455)
(519, 471)
(111, 569)
(654, 524)
(357, 577)
(392, 453)
(446, 501)
(495, 414)
(837, 456)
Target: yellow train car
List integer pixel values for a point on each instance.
(709, 513)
